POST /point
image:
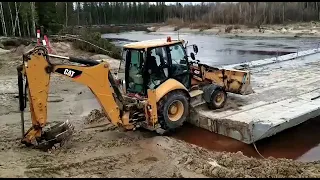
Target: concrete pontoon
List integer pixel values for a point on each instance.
(287, 93)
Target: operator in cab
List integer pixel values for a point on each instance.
(154, 71)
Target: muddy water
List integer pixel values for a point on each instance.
(300, 143)
(216, 51)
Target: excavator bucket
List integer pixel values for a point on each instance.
(56, 136)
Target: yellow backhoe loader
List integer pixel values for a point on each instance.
(160, 85)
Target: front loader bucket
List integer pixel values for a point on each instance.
(238, 82)
(233, 81)
(246, 87)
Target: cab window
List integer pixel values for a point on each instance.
(177, 54)
(161, 58)
(179, 64)
(157, 66)
(135, 74)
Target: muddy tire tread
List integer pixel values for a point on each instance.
(211, 104)
(174, 94)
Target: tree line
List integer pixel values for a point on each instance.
(23, 18)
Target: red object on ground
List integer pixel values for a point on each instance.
(38, 37)
(48, 43)
(135, 95)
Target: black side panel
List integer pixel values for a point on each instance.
(88, 62)
(73, 73)
(20, 87)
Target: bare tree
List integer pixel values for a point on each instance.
(240, 12)
(4, 28)
(283, 10)
(17, 17)
(318, 9)
(28, 27)
(16, 22)
(11, 18)
(33, 18)
(66, 14)
(78, 11)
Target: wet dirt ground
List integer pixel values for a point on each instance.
(98, 149)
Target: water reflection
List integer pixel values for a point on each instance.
(215, 50)
(298, 143)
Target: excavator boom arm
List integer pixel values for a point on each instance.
(97, 77)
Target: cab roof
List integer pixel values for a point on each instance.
(151, 43)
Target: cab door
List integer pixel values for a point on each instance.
(156, 67)
(134, 71)
(179, 64)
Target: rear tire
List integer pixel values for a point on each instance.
(173, 110)
(218, 99)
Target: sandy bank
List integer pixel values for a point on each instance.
(292, 30)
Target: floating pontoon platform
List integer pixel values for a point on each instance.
(287, 93)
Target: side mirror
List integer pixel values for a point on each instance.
(192, 56)
(195, 49)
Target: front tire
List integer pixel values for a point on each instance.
(218, 99)
(173, 110)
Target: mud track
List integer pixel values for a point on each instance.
(98, 149)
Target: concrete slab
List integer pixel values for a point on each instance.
(282, 99)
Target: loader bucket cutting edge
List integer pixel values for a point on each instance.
(246, 85)
(246, 89)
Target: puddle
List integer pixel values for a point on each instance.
(312, 155)
(300, 143)
(212, 141)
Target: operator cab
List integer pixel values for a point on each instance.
(150, 63)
